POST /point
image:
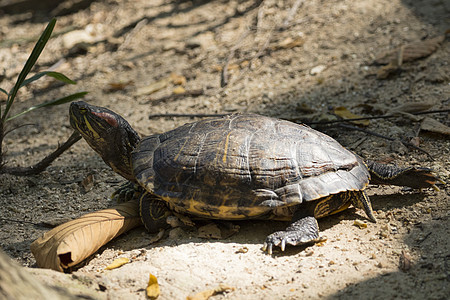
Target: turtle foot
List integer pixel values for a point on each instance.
(126, 192)
(302, 231)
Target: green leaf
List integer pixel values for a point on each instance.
(3, 91)
(28, 65)
(56, 75)
(59, 101)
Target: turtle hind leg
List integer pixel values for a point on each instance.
(303, 231)
(154, 212)
(414, 177)
(127, 191)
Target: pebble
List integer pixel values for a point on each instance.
(317, 70)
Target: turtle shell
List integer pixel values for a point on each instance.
(244, 166)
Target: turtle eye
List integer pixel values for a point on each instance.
(83, 110)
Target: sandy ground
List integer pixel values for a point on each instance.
(131, 45)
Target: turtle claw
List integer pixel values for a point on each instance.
(267, 247)
(126, 192)
(302, 231)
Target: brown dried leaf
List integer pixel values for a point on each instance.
(289, 43)
(179, 90)
(393, 66)
(117, 86)
(153, 290)
(344, 113)
(432, 125)
(153, 87)
(177, 79)
(205, 295)
(414, 107)
(210, 231)
(242, 250)
(117, 263)
(360, 224)
(405, 261)
(412, 51)
(70, 243)
(88, 183)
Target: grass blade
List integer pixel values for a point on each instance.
(28, 65)
(56, 75)
(3, 91)
(59, 101)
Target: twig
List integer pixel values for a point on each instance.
(291, 14)
(43, 164)
(407, 144)
(191, 93)
(224, 73)
(262, 50)
(132, 33)
(389, 116)
(152, 116)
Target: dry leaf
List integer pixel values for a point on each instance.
(414, 107)
(412, 51)
(415, 141)
(405, 261)
(289, 43)
(179, 90)
(153, 87)
(117, 86)
(242, 250)
(209, 293)
(346, 114)
(360, 224)
(153, 290)
(228, 229)
(210, 231)
(177, 79)
(394, 65)
(88, 183)
(70, 243)
(432, 125)
(117, 263)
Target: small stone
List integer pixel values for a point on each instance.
(317, 70)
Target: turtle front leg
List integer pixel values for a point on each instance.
(304, 230)
(154, 212)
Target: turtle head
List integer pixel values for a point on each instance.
(107, 133)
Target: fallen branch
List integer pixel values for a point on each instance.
(191, 93)
(263, 49)
(185, 115)
(406, 143)
(388, 116)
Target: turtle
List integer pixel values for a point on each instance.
(237, 167)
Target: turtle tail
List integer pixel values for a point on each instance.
(414, 177)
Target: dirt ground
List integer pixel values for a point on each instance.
(283, 62)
